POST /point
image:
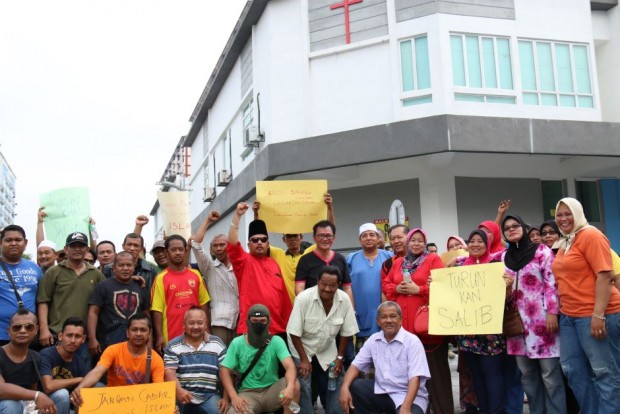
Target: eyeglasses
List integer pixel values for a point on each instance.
(324, 236)
(18, 327)
(90, 261)
(259, 239)
(513, 227)
(548, 233)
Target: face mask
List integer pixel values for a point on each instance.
(257, 334)
(257, 327)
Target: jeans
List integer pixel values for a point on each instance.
(543, 384)
(60, 399)
(592, 366)
(512, 383)
(488, 376)
(332, 405)
(208, 406)
(366, 401)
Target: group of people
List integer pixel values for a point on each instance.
(265, 328)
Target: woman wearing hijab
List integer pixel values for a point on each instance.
(549, 233)
(455, 243)
(407, 284)
(483, 353)
(534, 234)
(494, 235)
(537, 351)
(590, 317)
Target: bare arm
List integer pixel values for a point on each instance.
(349, 291)
(91, 324)
(183, 396)
(159, 336)
(93, 240)
(299, 287)
(52, 385)
(305, 366)
(88, 382)
(40, 232)
(602, 292)
(331, 217)
(346, 400)
(412, 391)
(233, 232)
(503, 207)
(45, 336)
(290, 392)
(255, 208)
(212, 217)
(141, 221)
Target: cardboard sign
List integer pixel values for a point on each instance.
(452, 254)
(68, 211)
(291, 206)
(467, 300)
(175, 211)
(157, 398)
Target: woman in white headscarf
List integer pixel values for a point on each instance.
(590, 311)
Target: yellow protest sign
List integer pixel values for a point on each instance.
(157, 398)
(467, 300)
(292, 206)
(447, 257)
(175, 209)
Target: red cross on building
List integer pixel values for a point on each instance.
(345, 4)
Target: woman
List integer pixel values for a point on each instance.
(537, 351)
(549, 233)
(590, 317)
(483, 353)
(494, 235)
(455, 243)
(407, 284)
(534, 234)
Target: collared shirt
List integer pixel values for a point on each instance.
(143, 268)
(288, 265)
(222, 287)
(318, 330)
(196, 368)
(395, 363)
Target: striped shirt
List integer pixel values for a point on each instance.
(196, 368)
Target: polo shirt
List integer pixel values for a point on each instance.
(318, 330)
(288, 265)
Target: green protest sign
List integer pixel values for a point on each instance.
(68, 211)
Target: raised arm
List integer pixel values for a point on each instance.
(141, 221)
(212, 217)
(92, 233)
(503, 207)
(331, 217)
(233, 232)
(40, 236)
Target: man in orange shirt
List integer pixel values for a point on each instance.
(126, 362)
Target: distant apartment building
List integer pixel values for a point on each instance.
(7, 193)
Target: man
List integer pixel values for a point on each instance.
(106, 250)
(400, 365)
(158, 251)
(193, 361)
(289, 258)
(310, 265)
(380, 238)
(125, 363)
(365, 268)
(134, 243)
(319, 314)
(112, 303)
(46, 255)
(25, 274)
(258, 276)
(61, 371)
(431, 248)
(221, 281)
(65, 290)
(261, 390)
(18, 373)
(175, 290)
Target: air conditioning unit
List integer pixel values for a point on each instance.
(209, 194)
(252, 136)
(223, 178)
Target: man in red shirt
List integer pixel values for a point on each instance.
(258, 276)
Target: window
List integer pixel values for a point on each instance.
(587, 194)
(555, 74)
(248, 125)
(205, 139)
(482, 69)
(415, 71)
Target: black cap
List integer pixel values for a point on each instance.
(257, 227)
(76, 237)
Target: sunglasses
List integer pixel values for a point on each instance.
(259, 239)
(27, 326)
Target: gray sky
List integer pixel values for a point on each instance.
(98, 93)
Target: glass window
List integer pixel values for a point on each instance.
(587, 194)
(415, 70)
(555, 74)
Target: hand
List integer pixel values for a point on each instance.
(223, 404)
(41, 215)
(91, 221)
(142, 220)
(140, 280)
(598, 329)
(327, 198)
(403, 410)
(552, 323)
(503, 207)
(46, 338)
(184, 396)
(94, 347)
(305, 369)
(45, 404)
(213, 217)
(256, 206)
(76, 397)
(509, 280)
(241, 209)
(160, 345)
(287, 395)
(405, 288)
(240, 404)
(452, 262)
(338, 368)
(346, 401)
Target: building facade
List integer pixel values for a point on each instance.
(447, 106)
(7, 193)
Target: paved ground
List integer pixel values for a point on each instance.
(455, 391)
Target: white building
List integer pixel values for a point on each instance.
(7, 193)
(449, 106)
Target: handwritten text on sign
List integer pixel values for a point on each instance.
(175, 208)
(157, 398)
(467, 300)
(68, 211)
(291, 206)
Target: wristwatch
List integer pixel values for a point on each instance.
(339, 357)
